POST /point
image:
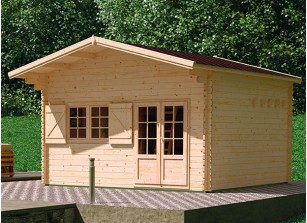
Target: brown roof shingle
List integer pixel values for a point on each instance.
(213, 61)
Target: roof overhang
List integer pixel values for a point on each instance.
(282, 76)
(93, 46)
(81, 48)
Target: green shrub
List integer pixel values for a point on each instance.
(16, 102)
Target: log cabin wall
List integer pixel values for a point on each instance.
(251, 131)
(117, 77)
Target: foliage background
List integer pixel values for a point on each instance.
(269, 34)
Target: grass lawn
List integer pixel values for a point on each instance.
(24, 134)
(297, 219)
(299, 148)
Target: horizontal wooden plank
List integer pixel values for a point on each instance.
(250, 108)
(216, 161)
(124, 94)
(249, 138)
(98, 158)
(240, 125)
(98, 174)
(247, 148)
(251, 87)
(75, 88)
(242, 168)
(249, 120)
(245, 165)
(79, 180)
(246, 114)
(248, 154)
(246, 183)
(85, 153)
(85, 168)
(99, 183)
(257, 176)
(111, 163)
(103, 81)
(255, 132)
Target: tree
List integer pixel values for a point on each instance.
(269, 34)
(33, 29)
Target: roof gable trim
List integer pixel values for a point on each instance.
(50, 58)
(104, 43)
(145, 52)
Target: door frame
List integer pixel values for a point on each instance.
(138, 156)
(136, 105)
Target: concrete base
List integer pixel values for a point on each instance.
(97, 213)
(266, 210)
(18, 211)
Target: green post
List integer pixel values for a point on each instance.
(92, 180)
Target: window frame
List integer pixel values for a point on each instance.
(88, 139)
(77, 117)
(99, 127)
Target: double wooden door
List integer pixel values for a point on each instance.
(161, 143)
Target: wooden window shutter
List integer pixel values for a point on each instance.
(55, 124)
(120, 123)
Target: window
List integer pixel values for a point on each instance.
(77, 123)
(89, 124)
(99, 122)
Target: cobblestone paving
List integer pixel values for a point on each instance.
(36, 191)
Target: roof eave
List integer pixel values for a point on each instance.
(280, 76)
(51, 57)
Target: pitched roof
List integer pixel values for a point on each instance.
(187, 60)
(214, 61)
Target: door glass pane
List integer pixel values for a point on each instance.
(95, 133)
(178, 113)
(104, 133)
(81, 112)
(178, 147)
(168, 131)
(178, 130)
(104, 111)
(152, 146)
(168, 147)
(73, 122)
(152, 114)
(168, 113)
(142, 130)
(95, 122)
(73, 133)
(142, 146)
(95, 111)
(152, 130)
(142, 114)
(104, 122)
(81, 133)
(73, 112)
(81, 122)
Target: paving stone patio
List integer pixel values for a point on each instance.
(36, 191)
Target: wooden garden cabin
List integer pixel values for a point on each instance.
(157, 118)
